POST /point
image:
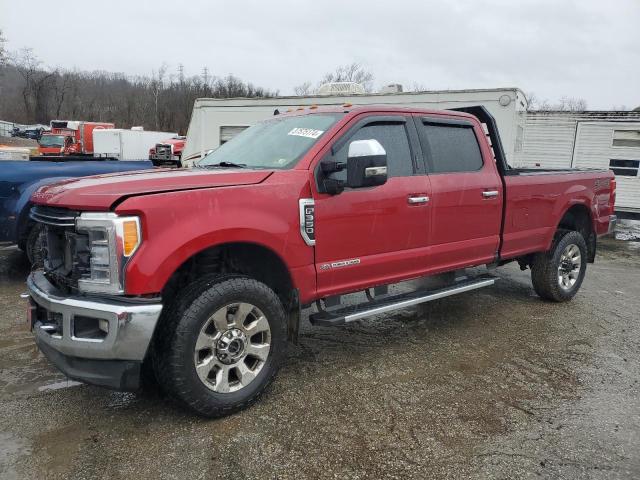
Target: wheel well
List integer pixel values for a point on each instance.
(249, 259)
(578, 218)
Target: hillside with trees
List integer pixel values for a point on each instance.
(30, 93)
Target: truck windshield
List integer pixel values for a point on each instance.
(276, 143)
(51, 141)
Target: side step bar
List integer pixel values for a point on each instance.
(351, 313)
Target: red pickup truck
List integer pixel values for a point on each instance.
(201, 274)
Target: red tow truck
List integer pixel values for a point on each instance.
(70, 138)
(202, 273)
(168, 153)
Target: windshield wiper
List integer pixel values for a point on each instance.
(224, 165)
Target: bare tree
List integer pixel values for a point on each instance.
(619, 108)
(3, 50)
(532, 100)
(571, 104)
(565, 104)
(303, 89)
(157, 86)
(62, 85)
(36, 85)
(353, 72)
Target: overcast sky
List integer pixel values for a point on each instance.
(587, 48)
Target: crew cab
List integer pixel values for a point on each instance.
(201, 273)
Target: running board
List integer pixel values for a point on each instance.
(351, 313)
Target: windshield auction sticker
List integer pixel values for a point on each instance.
(306, 132)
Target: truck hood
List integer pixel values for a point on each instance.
(100, 192)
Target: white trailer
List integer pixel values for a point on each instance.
(607, 140)
(215, 121)
(124, 144)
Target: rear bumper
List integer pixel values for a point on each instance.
(112, 359)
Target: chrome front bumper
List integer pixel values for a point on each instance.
(130, 325)
(164, 157)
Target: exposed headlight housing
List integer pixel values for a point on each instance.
(112, 241)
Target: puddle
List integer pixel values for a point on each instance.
(11, 447)
(59, 385)
(23, 369)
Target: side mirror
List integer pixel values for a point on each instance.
(366, 164)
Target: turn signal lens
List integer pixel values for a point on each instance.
(130, 236)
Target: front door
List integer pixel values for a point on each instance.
(374, 235)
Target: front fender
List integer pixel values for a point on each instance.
(178, 225)
(151, 267)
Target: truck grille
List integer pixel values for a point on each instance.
(65, 253)
(163, 151)
(59, 217)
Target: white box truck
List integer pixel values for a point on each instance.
(124, 144)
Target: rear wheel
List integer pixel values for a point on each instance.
(221, 346)
(558, 274)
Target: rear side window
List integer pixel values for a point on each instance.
(393, 137)
(450, 149)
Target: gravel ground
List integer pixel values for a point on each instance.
(18, 142)
(490, 384)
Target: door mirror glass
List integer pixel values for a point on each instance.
(366, 164)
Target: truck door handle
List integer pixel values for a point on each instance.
(418, 199)
(490, 193)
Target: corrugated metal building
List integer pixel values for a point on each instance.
(586, 140)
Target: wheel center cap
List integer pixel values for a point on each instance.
(231, 346)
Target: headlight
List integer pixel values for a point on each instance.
(112, 241)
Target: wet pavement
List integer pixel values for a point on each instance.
(489, 384)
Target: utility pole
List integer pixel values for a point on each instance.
(181, 73)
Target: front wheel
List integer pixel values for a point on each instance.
(558, 274)
(221, 345)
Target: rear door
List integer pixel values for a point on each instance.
(374, 235)
(466, 192)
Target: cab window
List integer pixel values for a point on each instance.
(393, 137)
(450, 148)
